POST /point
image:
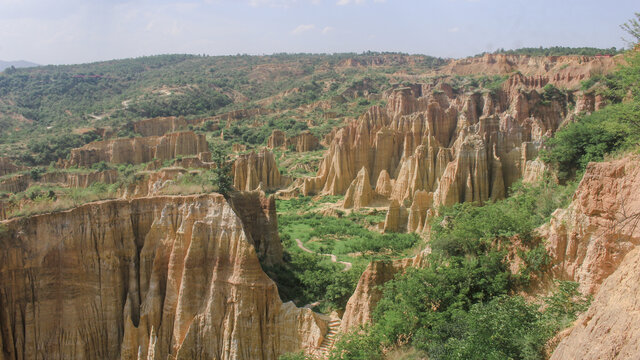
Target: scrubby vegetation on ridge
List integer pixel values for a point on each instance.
(461, 306)
(612, 129)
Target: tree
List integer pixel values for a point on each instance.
(632, 27)
(222, 171)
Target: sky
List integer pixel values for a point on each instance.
(79, 31)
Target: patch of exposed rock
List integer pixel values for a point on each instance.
(368, 293)
(152, 278)
(21, 182)
(303, 142)
(590, 238)
(139, 150)
(7, 167)
(359, 193)
(251, 170)
(457, 147)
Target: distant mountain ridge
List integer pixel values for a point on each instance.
(17, 64)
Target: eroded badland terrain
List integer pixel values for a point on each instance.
(321, 206)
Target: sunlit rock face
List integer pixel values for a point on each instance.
(150, 278)
(449, 145)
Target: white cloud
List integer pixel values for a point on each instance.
(454, 29)
(303, 28)
(327, 29)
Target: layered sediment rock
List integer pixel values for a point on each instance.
(564, 71)
(21, 182)
(7, 167)
(590, 238)
(455, 146)
(368, 292)
(277, 139)
(594, 242)
(152, 278)
(303, 142)
(139, 150)
(163, 125)
(609, 329)
(251, 170)
(359, 193)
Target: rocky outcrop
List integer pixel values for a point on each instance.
(594, 242)
(562, 71)
(151, 278)
(609, 329)
(277, 139)
(260, 220)
(163, 125)
(359, 194)
(21, 182)
(7, 167)
(384, 184)
(251, 170)
(457, 146)
(590, 238)
(303, 142)
(368, 292)
(396, 218)
(139, 150)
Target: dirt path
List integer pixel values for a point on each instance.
(347, 265)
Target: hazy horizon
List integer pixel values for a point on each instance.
(76, 31)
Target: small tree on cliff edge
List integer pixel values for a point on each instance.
(222, 171)
(632, 27)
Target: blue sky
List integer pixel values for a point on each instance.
(74, 31)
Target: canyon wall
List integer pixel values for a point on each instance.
(594, 242)
(254, 169)
(21, 182)
(7, 167)
(153, 278)
(455, 146)
(138, 150)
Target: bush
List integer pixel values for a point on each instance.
(591, 137)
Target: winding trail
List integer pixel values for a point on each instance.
(347, 265)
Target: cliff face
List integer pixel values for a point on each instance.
(21, 182)
(456, 147)
(7, 167)
(156, 278)
(139, 150)
(368, 292)
(163, 125)
(251, 170)
(590, 238)
(303, 142)
(609, 329)
(594, 242)
(564, 71)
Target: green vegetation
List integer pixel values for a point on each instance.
(40, 100)
(612, 129)
(459, 307)
(222, 171)
(44, 150)
(632, 27)
(308, 278)
(558, 51)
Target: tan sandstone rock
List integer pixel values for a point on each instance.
(158, 277)
(359, 193)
